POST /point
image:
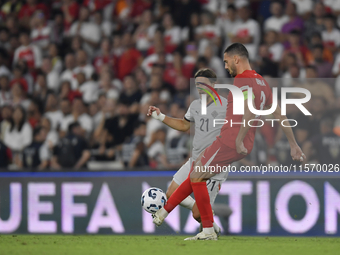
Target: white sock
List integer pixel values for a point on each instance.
(216, 227)
(209, 231)
(163, 213)
(188, 202)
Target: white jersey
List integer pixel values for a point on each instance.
(205, 132)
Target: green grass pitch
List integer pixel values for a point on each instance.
(162, 245)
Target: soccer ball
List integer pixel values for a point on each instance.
(153, 199)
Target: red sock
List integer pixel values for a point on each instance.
(203, 203)
(179, 195)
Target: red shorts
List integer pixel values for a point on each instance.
(218, 154)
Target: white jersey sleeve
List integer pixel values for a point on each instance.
(188, 116)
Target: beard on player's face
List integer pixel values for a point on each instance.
(232, 70)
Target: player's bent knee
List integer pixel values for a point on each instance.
(196, 176)
(196, 179)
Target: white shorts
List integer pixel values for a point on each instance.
(213, 184)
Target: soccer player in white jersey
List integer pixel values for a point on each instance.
(205, 134)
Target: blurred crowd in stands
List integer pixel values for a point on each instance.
(77, 77)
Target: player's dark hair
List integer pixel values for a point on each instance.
(237, 49)
(207, 73)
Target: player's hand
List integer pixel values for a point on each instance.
(297, 154)
(155, 113)
(152, 109)
(241, 149)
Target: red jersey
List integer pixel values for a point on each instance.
(28, 10)
(101, 60)
(263, 97)
(127, 62)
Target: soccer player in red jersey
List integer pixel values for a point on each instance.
(234, 142)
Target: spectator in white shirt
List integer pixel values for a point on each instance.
(275, 48)
(88, 31)
(157, 57)
(3, 69)
(19, 134)
(105, 26)
(145, 32)
(67, 74)
(65, 109)
(333, 5)
(107, 86)
(247, 32)
(227, 23)
(276, 21)
(78, 114)
(82, 65)
(56, 60)
(96, 113)
(207, 33)
(293, 74)
(304, 7)
(89, 89)
(52, 112)
(330, 36)
(40, 34)
(28, 52)
(172, 33)
(52, 77)
(52, 135)
(189, 32)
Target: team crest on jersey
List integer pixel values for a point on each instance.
(214, 114)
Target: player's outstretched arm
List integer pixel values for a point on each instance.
(295, 150)
(178, 124)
